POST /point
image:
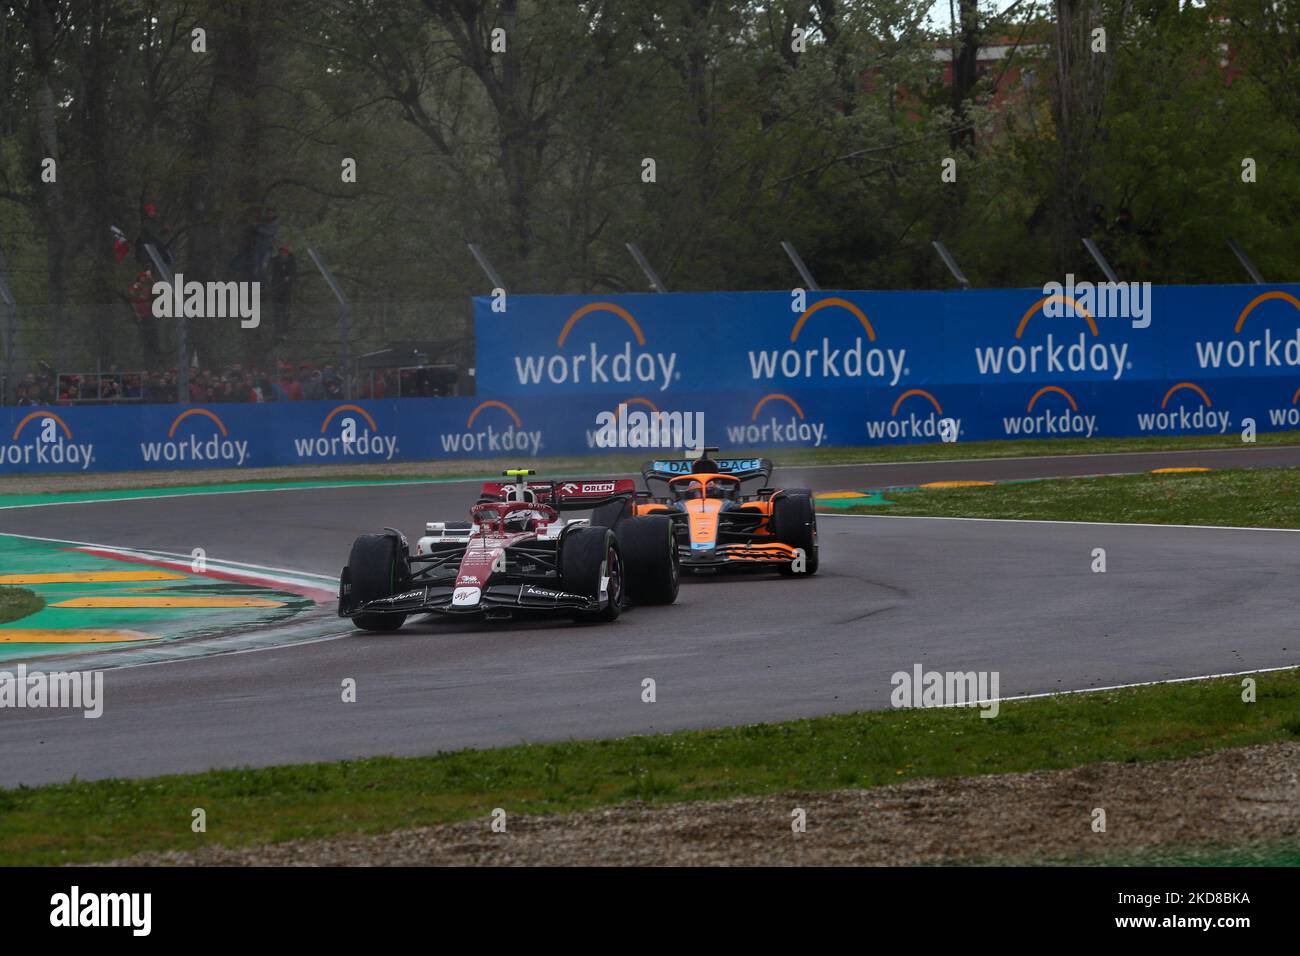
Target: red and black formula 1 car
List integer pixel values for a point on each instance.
(515, 555)
(719, 526)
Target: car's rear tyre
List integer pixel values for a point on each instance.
(378, 567)
(650, 559)
(611, 513)
(587, 556)
(794, 522)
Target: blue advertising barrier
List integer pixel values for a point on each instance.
(852, 368)
(759, 341)
(175, 437)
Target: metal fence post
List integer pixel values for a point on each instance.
(485, 264)
(1098, 258)
(11, 338)
(802, 269)
(655, 282)
(8, 391)
(345, 319)
(1246, 262)
(951, 263)
(182, 331)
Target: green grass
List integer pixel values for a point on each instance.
(89, 821)
(1252, 497)
(1264, 854)
(1016, 449)
(17, 603)
(600, 464)
(872, 454)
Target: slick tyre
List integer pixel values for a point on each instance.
(611, 513)
(378, 568)
(794, 522)
(587, 556)
(650, 559)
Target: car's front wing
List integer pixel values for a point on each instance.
(763, 556)
(495, 598)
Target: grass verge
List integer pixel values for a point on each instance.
(1023, 448)
(627, 463)
(100, 820)
(17, 603)
(1283, 854)
(1249, 497)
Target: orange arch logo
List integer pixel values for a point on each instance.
(1188, 385)
(628, 403)
(908, 394)
(493, 403)
(775, 397)
(1259, 300)
(348, 408)
(836, 302)
(1063, 299)
(1074, 406)
(617, 310)
(203, 413)
(67, 432)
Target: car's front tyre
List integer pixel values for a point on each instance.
(794, 522)
(590, 557)
(650, 556)
(378, 567)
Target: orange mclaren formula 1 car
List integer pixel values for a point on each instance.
(717, 524)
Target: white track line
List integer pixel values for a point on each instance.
(199, 657)
(282, 576)
(1090, 454)
(1104, 524)
(1095, 690)
(289, 574)
(218, 490)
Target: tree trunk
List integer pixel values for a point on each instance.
(965, 72)
(50, 195)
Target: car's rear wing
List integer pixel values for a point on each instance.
(663, 469)
(577, 494)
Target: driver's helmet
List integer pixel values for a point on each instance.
(690, 491)
(514, 493)
(717, 488)
(521, 520)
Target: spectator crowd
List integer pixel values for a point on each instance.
(234, 383)
(260, 258)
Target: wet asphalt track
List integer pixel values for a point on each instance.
(1014, 597)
